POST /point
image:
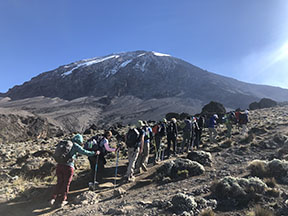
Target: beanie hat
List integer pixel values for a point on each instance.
(78, 138)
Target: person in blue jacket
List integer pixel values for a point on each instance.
(211, 127)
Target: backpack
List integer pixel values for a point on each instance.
(171, 128)
(61, 154)
(95, 144)
(201, 122)
(188, 126)
(243, 118)
(148, 134)
(162, 130)
(155, 129)
(132, 138)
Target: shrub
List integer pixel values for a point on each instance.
(207, 212)
(258, 168)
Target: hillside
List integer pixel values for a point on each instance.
(227, 184)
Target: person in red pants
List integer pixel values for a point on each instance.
(65, 171)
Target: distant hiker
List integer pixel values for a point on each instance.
(243, 120)
(135, 144)
(159, 131)
(172, 133)
(187, 134)
(211, 127)
(65, 155)
(98, 144)
(195, 128)
(228, 121)
(198, 130)
(142, 160)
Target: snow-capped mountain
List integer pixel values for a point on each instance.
(144, 75)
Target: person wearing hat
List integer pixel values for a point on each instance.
(135, 143)
(65, 171)
(142, 160)
(159, 133)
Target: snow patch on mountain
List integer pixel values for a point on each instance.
(124, 64)
(90, 62)
(159, 54)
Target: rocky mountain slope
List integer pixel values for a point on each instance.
(144, 75)
(230, 177)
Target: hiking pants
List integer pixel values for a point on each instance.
(244, 129)
(197, 138)
(132, 157)
(229, 128)
(172, 139)
(212, 134)
(100, 168)
(64, 177)
(186, 139)
(157, 142)
(143, 158)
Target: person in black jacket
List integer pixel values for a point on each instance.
(103, 148)
(172, 133)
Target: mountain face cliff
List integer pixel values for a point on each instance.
(144, 75)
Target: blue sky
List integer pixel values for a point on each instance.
(243, 39)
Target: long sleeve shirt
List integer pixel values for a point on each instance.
(78, 149)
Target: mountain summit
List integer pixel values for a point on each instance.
(145, 75)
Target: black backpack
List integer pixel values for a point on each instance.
(188, 126)
(171, 128)
(132, 138)
(162, 130)
(95, 143)
(61, 154)
(243, 118)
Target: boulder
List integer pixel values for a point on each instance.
(202, 157)
(267, 103)
(212, 108)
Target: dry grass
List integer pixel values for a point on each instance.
(259, 211)
(258, 168)
(270, 182)
(207, 212)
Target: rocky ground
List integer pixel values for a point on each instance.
(230, 177)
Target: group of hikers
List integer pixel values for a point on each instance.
(138, 141)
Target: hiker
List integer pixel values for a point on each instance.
(135, 143)
(159, 131)
(194, 139)
(243, 120)
(142, 160)
(211, 127)
(100, 144)
(65, 169)
(198, 130)
(187, 134)
(228, 121)
(172, 133)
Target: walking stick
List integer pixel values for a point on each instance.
(95, 173)
(117, 159)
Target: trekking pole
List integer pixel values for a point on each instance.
(117, 160)
(95, 173)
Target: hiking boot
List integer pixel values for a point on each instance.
(144, 168)
(52, 201)
(63, 203)
(131, 179)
